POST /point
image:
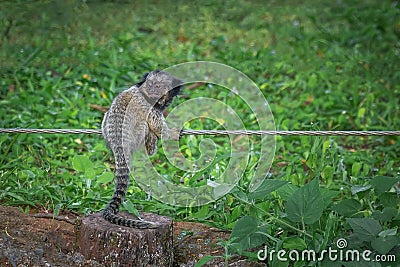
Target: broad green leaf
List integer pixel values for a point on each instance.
(384, 244)
(328, 195)
(388, 232)
(361, 113)
(245, 233)
(105, 178)
(244, 226)
(326, 145)
(222, 189)
(382, 184)
(203, 213)
(286, 191)
(327, 174)
(359, 188)
(268, 186)
(366, 229)
(389, 199)
(292, 243)
(306, 204)
(83, 164)
(347, 207)
(355, 169)
(386, 215)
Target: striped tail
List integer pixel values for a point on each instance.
(109, 215)
(110, 212)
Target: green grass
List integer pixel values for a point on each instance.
(320, 65)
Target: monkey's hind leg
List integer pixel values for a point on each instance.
(151, 143)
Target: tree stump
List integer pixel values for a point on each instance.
(114, 245)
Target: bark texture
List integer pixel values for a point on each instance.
(115, 245)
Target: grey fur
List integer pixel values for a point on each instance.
(135, 119)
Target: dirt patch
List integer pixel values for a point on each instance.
(30, 241)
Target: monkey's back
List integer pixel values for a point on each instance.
(124, 125)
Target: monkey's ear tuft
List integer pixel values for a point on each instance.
(144, 77)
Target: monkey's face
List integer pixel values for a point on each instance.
(159, 88)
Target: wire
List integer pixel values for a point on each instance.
(50, 131)
(287, 133)
(214, 132)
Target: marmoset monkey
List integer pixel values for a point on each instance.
(135, 119)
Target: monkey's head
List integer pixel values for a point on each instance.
(159, 88)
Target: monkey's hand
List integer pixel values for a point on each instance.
(172, 134)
